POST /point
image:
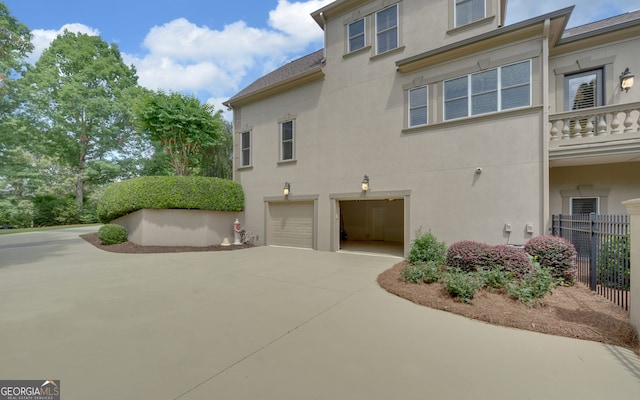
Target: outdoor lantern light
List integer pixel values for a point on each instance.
(626, 80)
(287, 188)
(365, 183)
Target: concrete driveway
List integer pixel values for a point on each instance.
(265, 323)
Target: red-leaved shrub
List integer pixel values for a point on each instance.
(555, 253)
(513, 259)
(467, 255)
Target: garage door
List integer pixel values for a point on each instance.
(291, 224)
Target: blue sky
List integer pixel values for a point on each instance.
(213, 49)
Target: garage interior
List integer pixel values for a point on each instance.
(372, 226)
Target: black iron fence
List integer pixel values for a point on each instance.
(603, 246)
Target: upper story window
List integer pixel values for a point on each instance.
(245, 149)
(356, 31)
(583, 90)
(387, 29)
(418, 106)
(287, 141)
(493, 90)
(468, 11)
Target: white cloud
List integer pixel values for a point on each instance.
(293, 18)
(183, 56)
(42, 38)
(583, 13)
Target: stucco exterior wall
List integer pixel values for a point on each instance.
(613, 57)
(613, 183)
(197, 228)
(353, 122)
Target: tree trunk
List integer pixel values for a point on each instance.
(80, 190)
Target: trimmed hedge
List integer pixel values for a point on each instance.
(467, 255)
(170, 192)
(472, 256)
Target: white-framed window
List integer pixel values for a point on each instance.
(585, 205)
(287, 133)
(497, 89)
(357, 38)
(468, 11)
(387, 29)
(245, 149)
(418, 106)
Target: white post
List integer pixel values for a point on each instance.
(633, 208)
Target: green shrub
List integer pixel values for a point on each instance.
(166, 192)
(613, 265)
(112, 234)
(462, 285)
(556, 254)
(496, 278)
(50, 210)
(530, 289)
(426, 248)
(413, 273)
(427, 273)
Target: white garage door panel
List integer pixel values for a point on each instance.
(291, 224)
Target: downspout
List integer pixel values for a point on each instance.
(324, 30)
(546, 131)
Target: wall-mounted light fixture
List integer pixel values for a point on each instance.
(287, 189)
(626, 80)
(365, 183)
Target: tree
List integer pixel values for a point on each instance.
(15, 45)
(217, 160)
(79, 96)
(181, 124)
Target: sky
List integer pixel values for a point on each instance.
(213, 48)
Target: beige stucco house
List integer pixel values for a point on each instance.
(462, 126)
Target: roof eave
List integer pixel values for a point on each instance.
(310, 75)
(560, 17)
(599, 32)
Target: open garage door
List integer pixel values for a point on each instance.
(291, 224)
(373, 226)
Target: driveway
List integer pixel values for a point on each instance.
(265, 323)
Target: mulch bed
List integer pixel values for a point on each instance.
(132, 248)
(574, 312)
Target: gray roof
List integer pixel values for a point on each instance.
(287, 71)
(632, 17)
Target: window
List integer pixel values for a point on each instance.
(585, 205)
(245, 149)
(583, 90)
(286, 141)
(468, 11)
(418, 110)
(387, 29)
(493, 90)
(356, 35)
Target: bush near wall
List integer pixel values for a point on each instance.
(170, 192)
(112, 234)
(555, 253)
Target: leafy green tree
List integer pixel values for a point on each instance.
(217, 160)
(181, 124)
(15, 45)
(78, 96)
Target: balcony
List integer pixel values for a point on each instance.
(599, 135)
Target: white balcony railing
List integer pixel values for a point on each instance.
(603, 124)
